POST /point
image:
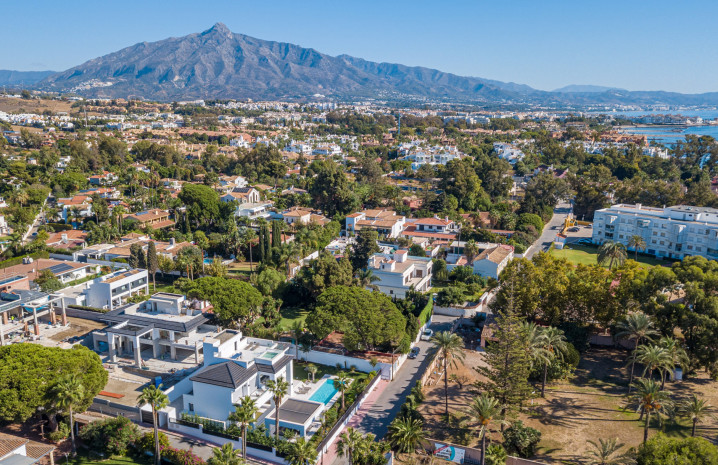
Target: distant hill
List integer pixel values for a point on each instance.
(20, 78)
(219, 64)
(576, 88)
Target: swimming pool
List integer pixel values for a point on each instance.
(208, 261)
(325, 393)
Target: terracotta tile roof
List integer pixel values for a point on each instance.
(496, 255)
(433, 221)
(10, 443)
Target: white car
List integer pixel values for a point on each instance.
(427, 335)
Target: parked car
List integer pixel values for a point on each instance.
(414, 352)
(427, 335)
(574, 229)
(584, 241)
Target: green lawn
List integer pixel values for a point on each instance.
(161, 287)
(83, 458)
(292, 314)
(586, 255)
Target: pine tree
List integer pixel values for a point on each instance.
(507, 362)
(187, 227)
(152, 262)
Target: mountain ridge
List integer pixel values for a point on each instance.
(220, 64)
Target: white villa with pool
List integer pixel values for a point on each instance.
(236, 366)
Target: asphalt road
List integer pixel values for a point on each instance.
(384, 410)
(550, 229)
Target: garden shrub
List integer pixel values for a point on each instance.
(521, 440)
(111, 436)
(147, 441)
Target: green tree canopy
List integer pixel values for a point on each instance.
(234, 301)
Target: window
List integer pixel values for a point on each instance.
(662, 243)
(191, 407)
(690, 247)
(235, 345)
(391, 291)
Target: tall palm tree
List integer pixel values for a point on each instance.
(405, 434)
(245, 412)
(637, 243)
(349, 441)
(297, 329)
(636, 327)
(650, 399)
(471, 250)
(450, 347)
(279, 389)
(155, 398)
(611, 252)
(678, 355)
(312, 370)
(290, 252)
(484, 409)
(341, 382)
(654, 358)
(68, 392)
(695, 409)
(366, 278)
(225, 455)
(536, 349)
(302, 452)
(554, 343)
(605, 452)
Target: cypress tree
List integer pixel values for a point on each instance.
(152, 262)
(261, 252)
(267, 243)
(187, 227)
(276, 234)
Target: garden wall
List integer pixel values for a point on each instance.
(331, 359)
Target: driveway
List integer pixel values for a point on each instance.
(550, 230)
(383, 411)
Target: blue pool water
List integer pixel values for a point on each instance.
(208, 261)
(325, 393)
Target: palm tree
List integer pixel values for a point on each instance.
(484, 409)
(451, 348)
(312, 370)
(69, 392)
(604, 452)
(637, 243)
(654, 357)
(349, 441)
(405, 434)
(536, 349)
(302, 452)
(279, 389)
(678, 355)
(695, 409)
(649, 398)
(611, 252)
(244, 413)
(297, 330)
(225, 455)
(155, 398)
(471, 250)
(365, 279)
(341, 382)
(554, 343)
(288, 253)
(636, 327)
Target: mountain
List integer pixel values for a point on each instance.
(219, 64)
(19, 78)
(577, 89)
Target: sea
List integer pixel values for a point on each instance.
(668, 135)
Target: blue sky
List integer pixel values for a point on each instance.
(631, 44)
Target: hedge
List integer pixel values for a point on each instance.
(426, 311)
(18, 260)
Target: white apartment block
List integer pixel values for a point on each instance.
(672, 232)
(398, 273)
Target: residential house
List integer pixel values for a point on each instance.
(154, 218)
(69, 239)
(74, 207)
(491, 262)
(432, 228)
(15, 450)
(242, 195)
(385, 222)
(398, 273)
(103, 179)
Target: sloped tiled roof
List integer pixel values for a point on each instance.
(227, 374)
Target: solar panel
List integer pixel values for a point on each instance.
(61, 268)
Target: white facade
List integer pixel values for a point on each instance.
(398, 273)
(508, 152)
(673, 232)
(111, 291)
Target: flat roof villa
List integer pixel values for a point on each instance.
(20, 308)
(164, 324)
(236, 366)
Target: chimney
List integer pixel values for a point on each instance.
(172, 241)
(64, 237)
(638, 206)
(400, 256)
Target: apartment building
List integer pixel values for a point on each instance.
(398, 273)
(672, 232)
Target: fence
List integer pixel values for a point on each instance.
(466, 455)
(114, 409)
(344, 419)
